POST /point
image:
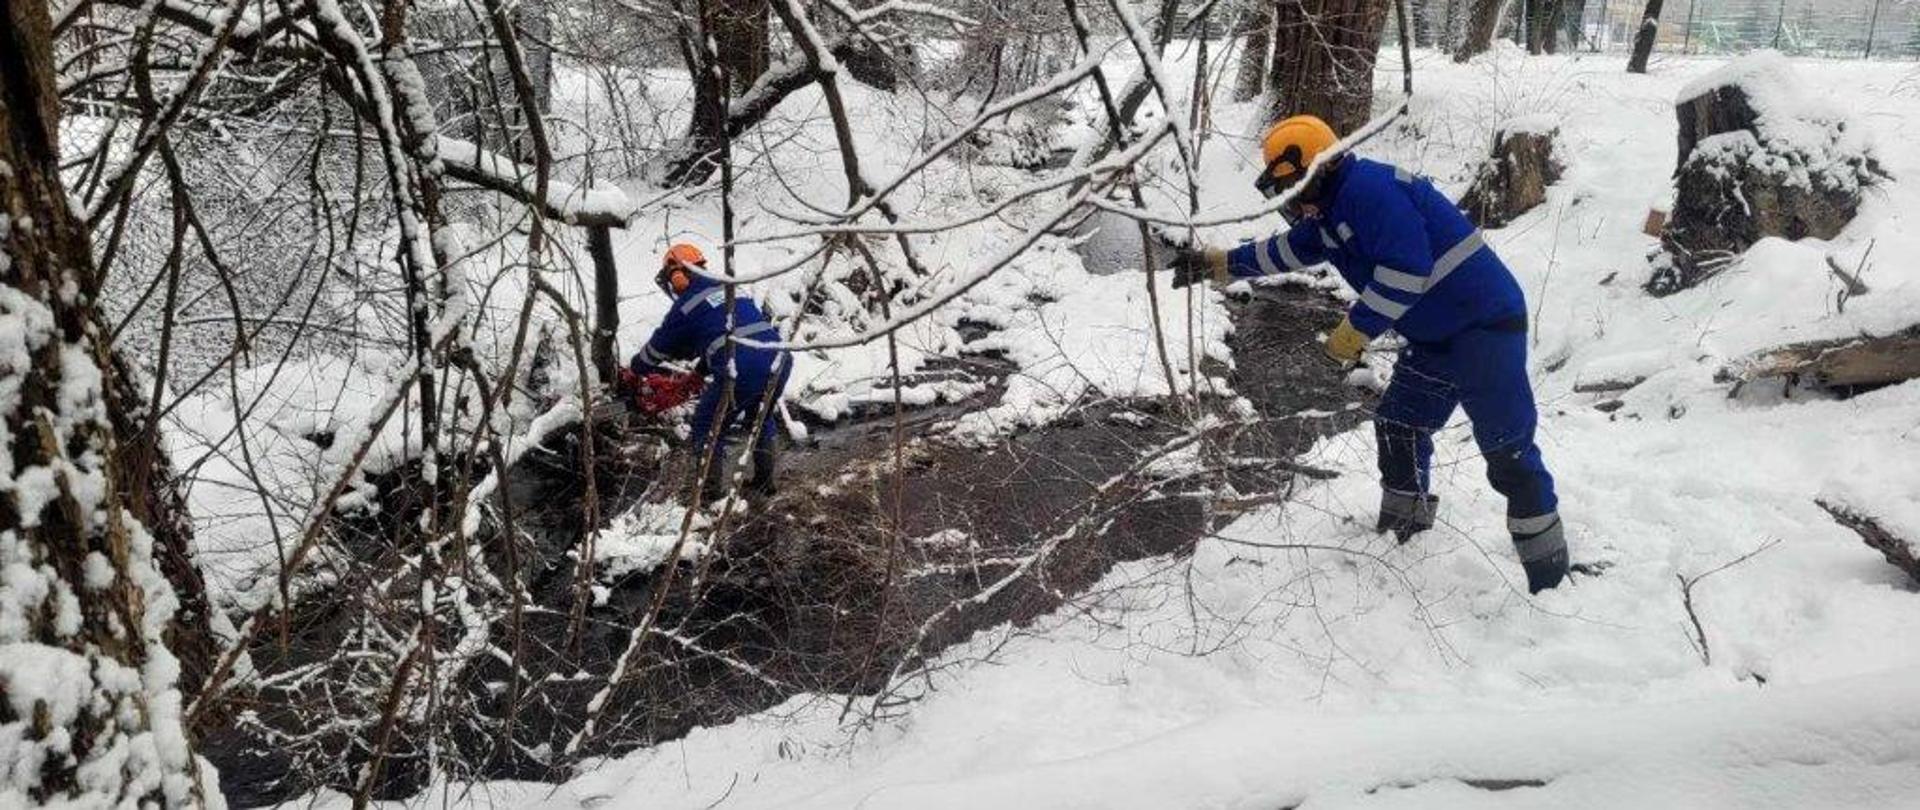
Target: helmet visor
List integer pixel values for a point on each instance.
(664, 278)
(1271, 185)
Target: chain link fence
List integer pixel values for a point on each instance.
(1888, 29)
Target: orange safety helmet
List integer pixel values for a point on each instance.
(673, 278)
(1288, 148)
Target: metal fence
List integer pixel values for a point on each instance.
(1887, 29)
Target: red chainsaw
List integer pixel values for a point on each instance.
(655, 394)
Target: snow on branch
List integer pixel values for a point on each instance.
(586, 206)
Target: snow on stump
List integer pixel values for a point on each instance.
(1903, 553)
(1759, 157)
(1514, 178)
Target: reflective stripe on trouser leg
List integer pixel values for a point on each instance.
(1541, 544)
(1413, 507)
(1406, 513)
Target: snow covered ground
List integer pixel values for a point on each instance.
(1262, 674)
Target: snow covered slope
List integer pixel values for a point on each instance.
(1299, 660)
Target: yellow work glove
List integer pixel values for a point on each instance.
(1195, 266)
(1346, 344)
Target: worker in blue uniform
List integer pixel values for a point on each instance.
(697, 327)
(1423, 271)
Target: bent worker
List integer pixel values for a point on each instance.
(696, 327)
(1423, 271)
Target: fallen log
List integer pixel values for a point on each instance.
(1902, 553)
(1841, 363)
(1608, 386)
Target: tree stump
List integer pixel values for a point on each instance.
(1758, 158)
(1514, 178)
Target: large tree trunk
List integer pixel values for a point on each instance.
(1543, 25)
(1256, 26)
(1573, 16)
(1643, 41)
(1323, 58)
(91, 706)
(156, 499)
(1482, 21)
(536, 38)
(1422, 13)
(1452, 25)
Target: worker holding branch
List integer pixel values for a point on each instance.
(1423, 271)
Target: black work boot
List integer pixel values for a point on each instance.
(713, 488)
(766, 463)
(1542, 545)
(1406, 513)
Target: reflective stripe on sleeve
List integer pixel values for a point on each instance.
(1404, 282)
(745, 332)
(1267, 267)
(714, 297)
(1455, 256)
(1345, 231)
(1287, 255)
(1382, 304)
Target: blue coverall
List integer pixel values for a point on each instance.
(696, 327)
(1424, 271)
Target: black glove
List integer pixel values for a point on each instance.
(1192, 267)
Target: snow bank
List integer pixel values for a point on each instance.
(1833, 745)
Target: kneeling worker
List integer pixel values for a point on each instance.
(696, 328)
(1423, 271)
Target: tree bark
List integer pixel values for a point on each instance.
(1449, 35)
(1869, 361)
(85, 654)
(536, 37)
(1256, 27)
(1543, 25)
(1574, 17)
(1482, 21)
(1422, 13)
(739, 30)
(156, 499)
(713, 119)
(1323, 58)
(1643, 41)
(606, 300)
